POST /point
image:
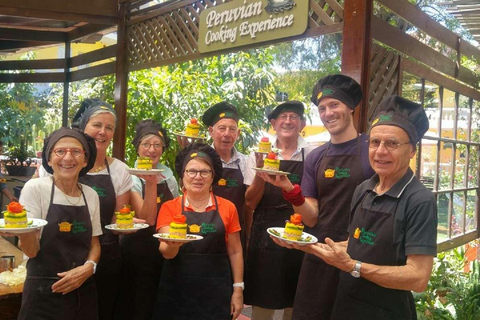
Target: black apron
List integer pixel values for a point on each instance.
(109, 268)
(231, 187)
(60, 251)
(142, 266)
(197, 283)
(318, 281)
(271, 272)
(358, 298)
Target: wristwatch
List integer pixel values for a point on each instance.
(240, 285)
(356, 270)
(94, 264)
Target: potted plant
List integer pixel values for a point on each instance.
(19, 161)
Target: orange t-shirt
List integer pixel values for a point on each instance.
(227, 210)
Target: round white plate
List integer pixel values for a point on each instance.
(274, 150)
(166, 236)
(35, 225)
(306, 237)
(145, 172)
(136, 227)
(279, 173)
(182, 134)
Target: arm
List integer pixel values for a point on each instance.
(9, 195)
(235, 255)
(257, 186)
(30, 243)
(146, 209)
(74, 278)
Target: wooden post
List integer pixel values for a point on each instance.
(121, 85)
(357, 41)
(66, 83)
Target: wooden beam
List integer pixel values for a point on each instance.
(421, 20)
(357, 42)
(32, 77)
(439, 79)
(398, 40)
(9, 45)
(92, 72)
(94, 56)
(48, 64)
(66, 84)
(30, 35)
(86, 30)
(121, 85)
(107, 8)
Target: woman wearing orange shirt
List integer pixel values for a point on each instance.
(196, 280)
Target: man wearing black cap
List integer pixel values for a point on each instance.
(332, 171)
(222, 122)
(392, 233)
(271, 273)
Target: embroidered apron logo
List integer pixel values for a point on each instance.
(228, 182)
(194, 228)
(78, 226)
(65, 226)
(159, 199)
(294, 178)
(365, 236)
(100, 191)
(208, 228)
(329, 173)
(341, 173)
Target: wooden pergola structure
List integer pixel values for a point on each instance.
(375, 52)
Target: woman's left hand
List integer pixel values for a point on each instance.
(72, 279)
(236, 304)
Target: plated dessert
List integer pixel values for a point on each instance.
(15, 216)
(264, 146)
(271, 162)
(125, 218)
(178, 228)
(293, 227)
(144, 163)
(193, 128)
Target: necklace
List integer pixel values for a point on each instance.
(98, 169)
(68, 200)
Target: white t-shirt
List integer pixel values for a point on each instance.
(36, 194)
(121, 179)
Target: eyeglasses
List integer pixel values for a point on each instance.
(62, 152)
(156, 146)
(192, 173)
(389, 144)
(293, 117)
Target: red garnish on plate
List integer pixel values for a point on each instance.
(271, 156)
(264, 139)
(296, 218)
(14, 207)
(194, 121)
(125, 209)
(179, 218)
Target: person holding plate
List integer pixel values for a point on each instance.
(63, 256)
(142, 264)
(271, 272)
(196, 280)
(110, 179)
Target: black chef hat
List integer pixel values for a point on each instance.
(219, 111)
(201, 150)
(288, 106)
(149, 126)
(403, 113)
(87, 142)
(340, 87)
(87, 108)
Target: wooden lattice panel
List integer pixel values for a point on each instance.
(172, 35)
(384, 68)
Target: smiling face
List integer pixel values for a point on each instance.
(335, 115)
(101, 128)
(287, 125)
(67, 167)
(197, 185)
(224, 134)
(152, 152)
(390, 164)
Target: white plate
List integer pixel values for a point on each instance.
(136, 227)
(273, 172)
(278, 233)
(166, 236)
(274, 150)
(144, 172)
(35, 225)
(182, 134)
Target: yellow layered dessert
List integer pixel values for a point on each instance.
(271, 162)
(144, 163)
(178, 228)
(193, 128)
(294, 227)
(125, 218)
(265, 145)
(15, 216)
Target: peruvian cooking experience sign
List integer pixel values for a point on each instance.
(243, 22)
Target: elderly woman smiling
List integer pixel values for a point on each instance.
(59, 283)
(196, 280)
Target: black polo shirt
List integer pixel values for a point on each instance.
(415, 210)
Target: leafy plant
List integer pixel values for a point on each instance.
(18, 156)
